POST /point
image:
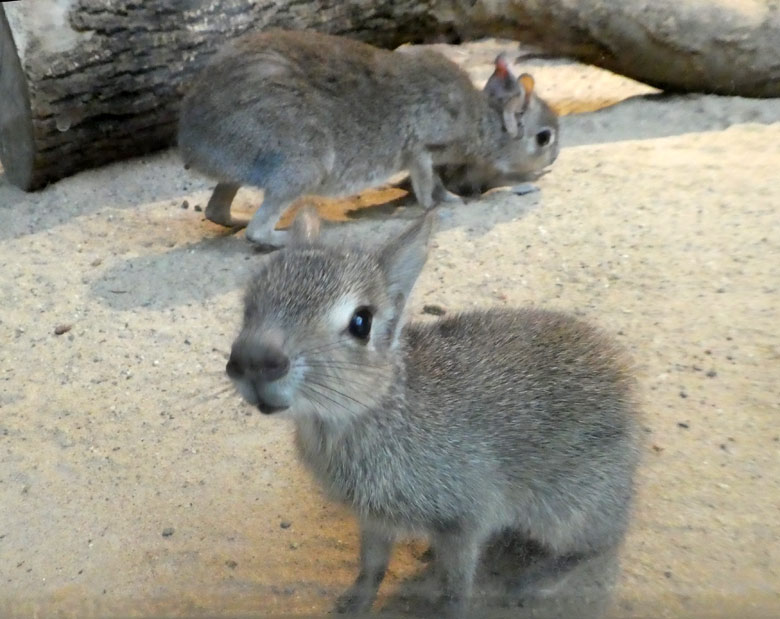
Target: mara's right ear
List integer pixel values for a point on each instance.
(402, 260)
(527, 83)
(306, 227)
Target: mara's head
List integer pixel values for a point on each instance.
(529, 141)
(322, 323)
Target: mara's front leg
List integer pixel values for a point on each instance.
(376, 544)
(457, 554)
(422, 176)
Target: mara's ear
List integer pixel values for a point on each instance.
(526, 82)
(403, 258)
(306, 227)
(509, 94)
(501, 84)
(517, 104)
(502, 65)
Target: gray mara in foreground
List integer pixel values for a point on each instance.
(455, 430)
(300, 113)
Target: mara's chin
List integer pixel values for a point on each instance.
(272, 402)
(269, 409)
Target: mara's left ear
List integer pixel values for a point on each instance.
(402, 260)
(306, 227)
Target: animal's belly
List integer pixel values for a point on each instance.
(357, 175)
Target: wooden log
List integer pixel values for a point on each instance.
(17, 148)
(714, 46)
(85, 82)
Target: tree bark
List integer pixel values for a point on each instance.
(85, 82)
(710, 46)
(92, 81)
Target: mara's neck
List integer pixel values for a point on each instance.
(490, 130)
(483, 134)
(320, 431)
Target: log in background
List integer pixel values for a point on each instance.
(92, 81)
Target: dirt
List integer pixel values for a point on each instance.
(135, 482)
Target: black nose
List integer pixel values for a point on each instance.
(263, 361)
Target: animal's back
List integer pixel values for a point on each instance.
(550, 399)
(546, 366)
(273, 98)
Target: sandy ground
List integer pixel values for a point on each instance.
(134, 482)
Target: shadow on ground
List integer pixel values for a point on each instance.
(217, 265)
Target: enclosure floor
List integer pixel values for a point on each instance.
(135, 482)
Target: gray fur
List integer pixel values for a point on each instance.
(305, 113)
(455, 430)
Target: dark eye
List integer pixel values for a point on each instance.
(544, 137)
(360, 324)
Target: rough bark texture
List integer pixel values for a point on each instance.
(17, 147)
(102, 79)
(728, 47)
(99, 80)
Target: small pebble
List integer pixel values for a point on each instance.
(185, 205)
(294, 546)
(711, 374)
(60, 329)
(197, 208)
(427, 555)
(434, 310)
(167, 531)
(683, 394)
(96, 262)
(285, 524)
(524, 188)
(683, 425)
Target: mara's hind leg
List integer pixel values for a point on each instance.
(262, 227)
(218, 208)
(547, 572)
(279, 193)
(558, 587)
